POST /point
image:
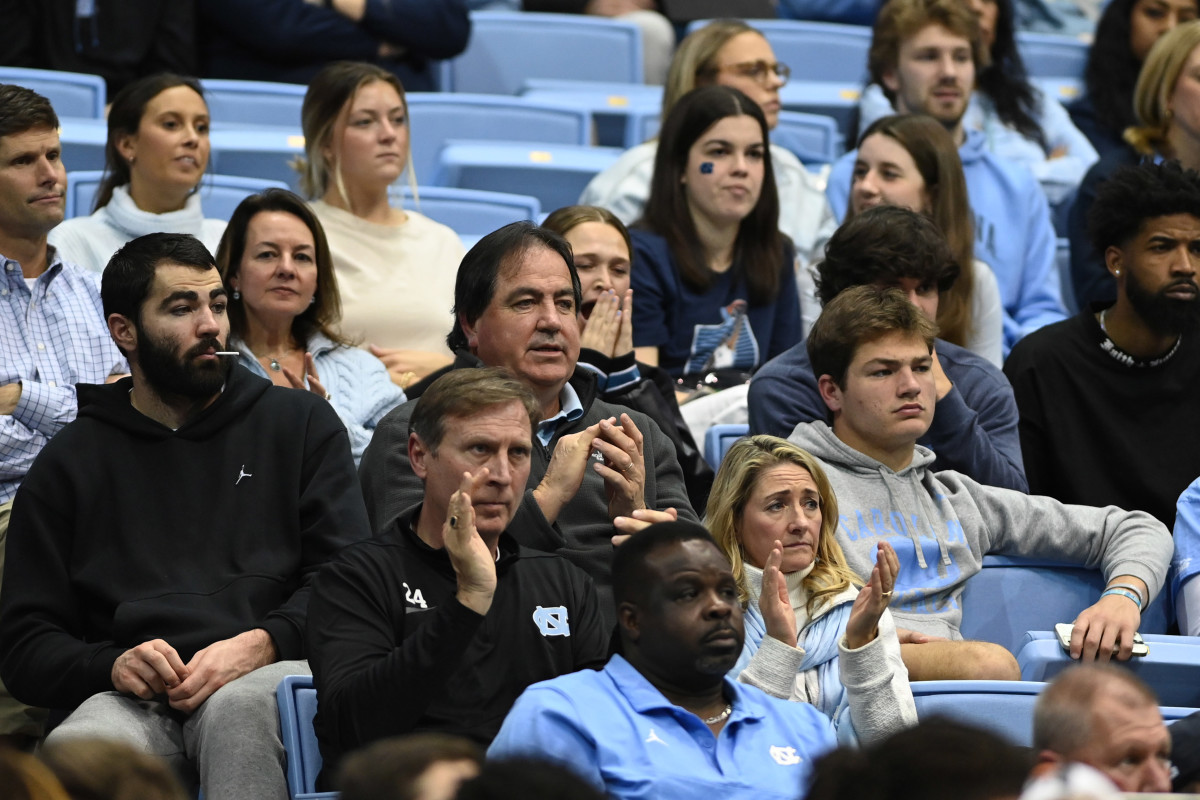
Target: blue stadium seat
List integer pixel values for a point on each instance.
(253, 102)
(1011, 596)
(435, 117)
(1049, 55)
(816, 51)
(613, 106)
(73, 94)
(297, 701)
(719, 439)
(82, 141)
(471, 214)
(1002, 707)
(555, 174)
(813, 138)
(509, 47)
(263, 153)
(1172, 668)
(219, 194)
(836, 99)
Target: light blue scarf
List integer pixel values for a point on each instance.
(819, 640)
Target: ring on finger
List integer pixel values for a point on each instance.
(627, 467)
(888, 593)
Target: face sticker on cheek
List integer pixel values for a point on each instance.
(706, 168)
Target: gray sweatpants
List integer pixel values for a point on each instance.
(231, 743)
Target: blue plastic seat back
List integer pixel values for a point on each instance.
(219, 194)
(1002, 707)
(253, 102)
(555, 174)
(816, 51)
(1048, 55)
(813, 138)
(468, 212)
(297, 700)
(257, 153)
(73, 94)
(719, 439)
(435, 118)
(509, 47)
(1171, 669)
(82, 140)
(1011, 596)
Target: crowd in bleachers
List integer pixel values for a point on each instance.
(416, 399)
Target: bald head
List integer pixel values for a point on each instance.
(1105, 716)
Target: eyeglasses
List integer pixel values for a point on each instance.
(759, 70)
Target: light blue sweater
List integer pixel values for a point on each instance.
(360, 389)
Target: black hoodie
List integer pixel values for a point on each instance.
(125, 531)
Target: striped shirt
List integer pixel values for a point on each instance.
(52, 336)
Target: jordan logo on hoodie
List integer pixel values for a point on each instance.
(242, 474)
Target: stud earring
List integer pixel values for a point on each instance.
(312, 299)
(237, 295)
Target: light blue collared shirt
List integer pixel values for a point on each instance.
(52, 337)
(570, 410)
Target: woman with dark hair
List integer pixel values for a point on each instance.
(909, 160)
(284, 308)
(1126, 32)
(602, 251)
(155, 156)
(715, 286)
(396, 268)
(1020, 122)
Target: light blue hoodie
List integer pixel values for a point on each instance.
(1013, 234)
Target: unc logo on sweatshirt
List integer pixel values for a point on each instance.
(552, 621)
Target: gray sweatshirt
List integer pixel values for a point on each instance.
(942, 524)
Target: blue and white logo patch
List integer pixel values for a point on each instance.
(552, 621)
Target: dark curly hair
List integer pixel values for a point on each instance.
(1138, 193)
(883, 244)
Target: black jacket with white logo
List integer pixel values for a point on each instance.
(394, 652)
(125, 531)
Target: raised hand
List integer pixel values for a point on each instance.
(873, 599)
(603, 325)
(314, 380)
(472, 559)
(774, 603)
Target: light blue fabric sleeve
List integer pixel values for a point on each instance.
(1186, 561)
(1039, 300)
(543, 723)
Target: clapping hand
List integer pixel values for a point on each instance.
(873, 599)
(473, 562)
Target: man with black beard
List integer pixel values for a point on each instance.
(162, 546)
(662, 719)
(1109, 399)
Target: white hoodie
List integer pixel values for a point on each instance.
(941, 525)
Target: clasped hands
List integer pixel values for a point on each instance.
(622, 467)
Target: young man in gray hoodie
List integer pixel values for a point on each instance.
(871, 350)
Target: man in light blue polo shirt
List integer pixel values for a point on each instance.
(662, 721)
